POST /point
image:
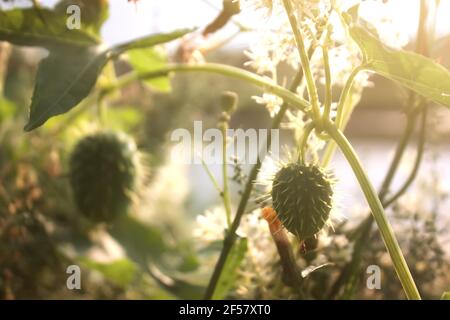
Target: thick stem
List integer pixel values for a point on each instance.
(377, 209)
(362, 232)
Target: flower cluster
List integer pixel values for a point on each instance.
(275, 46)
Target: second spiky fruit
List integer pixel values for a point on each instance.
(302, 197)
(103, 175)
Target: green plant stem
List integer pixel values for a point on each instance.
(225, 192)
(310, 83)
(328, 85)
(341, 110)
(230, 237)
(265, 84)
(410, 125)
(304, 141)
(211, 176)
(345, 110)
(377, 209)
(417, 162)
(362, 232)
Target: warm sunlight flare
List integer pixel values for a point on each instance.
(273, 150)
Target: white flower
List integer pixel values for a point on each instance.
(272, 102)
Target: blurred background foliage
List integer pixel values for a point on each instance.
(151, 253)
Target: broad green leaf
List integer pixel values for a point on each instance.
(445, 296)
(68, 75)
(41, 28)
(229, 273)
(63, 80)
(411, 70)
(122, 272)
(151, 59)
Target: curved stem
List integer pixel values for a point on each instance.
(233, 72)
(410, 125)
(362, 232)
(341, 112)
(379, 215)
(310, 83)
(418, 161)
(304, 141)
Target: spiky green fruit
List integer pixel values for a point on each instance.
(302, 197)
(103, 175)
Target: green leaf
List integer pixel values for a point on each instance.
(414, 71)
(445, 296)
(7, 109)
(122, 272)
(229, 273)
(150, 41)
(63, 80)
(41, 28)
(181, 287)
(124, 118)
(144, 243)
(151, 59)
(68, 75)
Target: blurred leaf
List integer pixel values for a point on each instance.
(41, 28)
(445, 296)
(122, 272)
(141, 241)
(145, 243)
(124, 118)
(229, 272)
(412, 70)
(308, 270)
(150, 41)
(7, 109)
(179, 287)
(63, 80)
(68, 75)
(151, 59)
